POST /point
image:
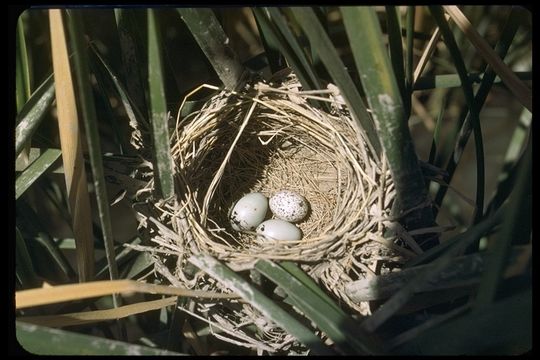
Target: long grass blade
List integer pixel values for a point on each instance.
(23, 69)
(395, 43)
(384, 98)
(31, 114)
(88, 113)
(331, 320)
(209, 34)
(158, 105)
(329, 56)
(435, 142)
(262, 303)
(61, 293)
(474, 109)
(411, 12)
(70, 140)
(479, 100)
(90, 317)
(518, 88)
(42, 340)
(23, 74)
(35, 170)
(426, 54)
(308, 282)
(20, 94)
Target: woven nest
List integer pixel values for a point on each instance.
(267, 138)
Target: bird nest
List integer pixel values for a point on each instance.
(266, 138)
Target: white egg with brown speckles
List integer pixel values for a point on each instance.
(289, 206)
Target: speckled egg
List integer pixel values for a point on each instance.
(279, 230)
(248, 212)
(289, 206)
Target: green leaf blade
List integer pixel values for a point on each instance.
(209, 34)
(262, 303)
(32, 113)
(330, 319)
(47, 341)
(158, 107)
(35, 170)
(396, 48)
(384, 97)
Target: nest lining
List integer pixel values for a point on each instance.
(282, 145)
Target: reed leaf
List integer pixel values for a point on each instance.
(158, 105)
(32, 113)
(70, 140)
(295, 271)
(42, 340)
(88, 113)
(258, 300)
(426, 55)
(411, 11)
(35, 170)
(331, 320)
(209, 34)
(385, 101)
(90, 317)
(61, 293)
(395, 43)
(139, 124)
(23, 70)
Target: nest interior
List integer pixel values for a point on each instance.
(271, 138)
(268, 138)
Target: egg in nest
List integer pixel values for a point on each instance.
(289, 206)
(277, 229)
(248, 212)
